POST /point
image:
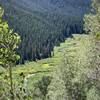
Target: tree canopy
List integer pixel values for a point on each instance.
(9, 42)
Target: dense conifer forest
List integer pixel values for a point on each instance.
(42, 25)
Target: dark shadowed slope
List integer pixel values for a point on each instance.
(58, 6)
(44, 23)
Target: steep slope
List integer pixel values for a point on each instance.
(43, 24)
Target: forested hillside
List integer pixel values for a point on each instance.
(43, 24)
(73, 70)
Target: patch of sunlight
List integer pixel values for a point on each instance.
(45, 65)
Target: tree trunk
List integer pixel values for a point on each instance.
(11, 82)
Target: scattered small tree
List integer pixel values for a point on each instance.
(9, 42)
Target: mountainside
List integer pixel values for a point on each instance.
(58, 6)
(59, 54)
(43, 24)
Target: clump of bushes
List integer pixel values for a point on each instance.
(98, 36)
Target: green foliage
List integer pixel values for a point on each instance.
(98, 36)
(40, 89)
(96, 5)
(43, 68)
(92, 21)
(78, 71)
(62, 86)
(75, 68)
(93, 94)
(72, 69)
(57, 90)
(1, 12)
(9, 41)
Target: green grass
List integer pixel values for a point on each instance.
(98, 36)
(46, 66)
